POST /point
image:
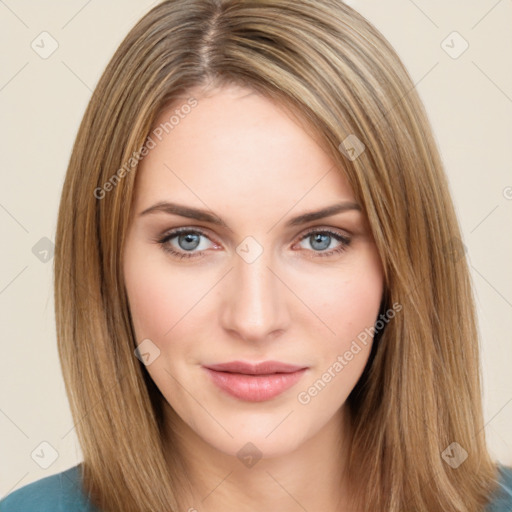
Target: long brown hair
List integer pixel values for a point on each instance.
(420, 391)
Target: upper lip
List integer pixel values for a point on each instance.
(263, 368)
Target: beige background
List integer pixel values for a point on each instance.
(469, 101)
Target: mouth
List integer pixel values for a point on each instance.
(254, 382)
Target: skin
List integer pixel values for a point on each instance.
(252, 163)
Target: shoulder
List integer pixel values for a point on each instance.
(56, 493)
(502, 499)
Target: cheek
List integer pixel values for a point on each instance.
(150, 303)
(349, 306)
(348, 301)
(160, 296)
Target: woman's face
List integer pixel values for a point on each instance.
(241, 271)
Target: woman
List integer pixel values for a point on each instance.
(261, 298)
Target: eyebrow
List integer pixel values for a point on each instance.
(205, 216)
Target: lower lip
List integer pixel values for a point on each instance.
(255, 388)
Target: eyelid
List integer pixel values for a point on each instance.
(326, 229)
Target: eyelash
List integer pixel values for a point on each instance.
(345, 242)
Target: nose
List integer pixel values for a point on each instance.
(254, 301)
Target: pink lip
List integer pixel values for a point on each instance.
(254, 382)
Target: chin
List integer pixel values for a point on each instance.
(252, 445)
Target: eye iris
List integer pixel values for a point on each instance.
(322, 238)
(190, 240)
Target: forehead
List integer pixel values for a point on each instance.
(236, 144)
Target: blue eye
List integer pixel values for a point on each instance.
(321, 240)
(188, 240)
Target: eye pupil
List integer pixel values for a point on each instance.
(322, 239)
(190, 240)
